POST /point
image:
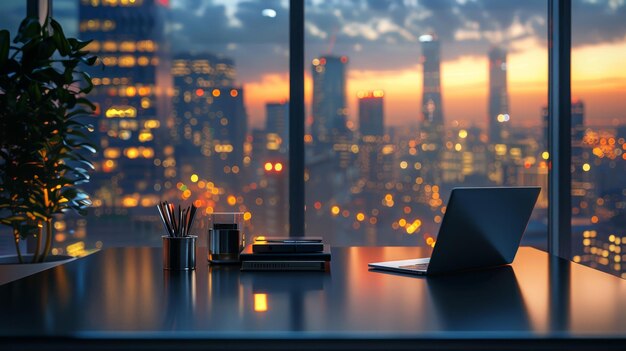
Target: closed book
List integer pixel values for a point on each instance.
(248, 255)
(283, 265)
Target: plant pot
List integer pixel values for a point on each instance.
(11, 269)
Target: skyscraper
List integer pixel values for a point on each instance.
(432, 131)
(371, 113)
(578, 131)
(371, 126)
(578, 127)
(210, 118)
(132, 92)
(432, 111)
(277, 123)
(498, 97)
(329, 100)
(582, 184)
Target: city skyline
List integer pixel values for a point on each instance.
(378, 49)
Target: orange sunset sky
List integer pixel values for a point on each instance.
(598, 75)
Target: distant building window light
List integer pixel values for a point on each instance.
(223, 148)
(121, 112)
(127, 61)
(109, 46)
(112, 152)
(145, 136)
(128, 46)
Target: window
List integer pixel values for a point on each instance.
(407, 100)
(192, 107)
(598, 134)
(404, 100)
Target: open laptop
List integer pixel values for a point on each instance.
(482, 227)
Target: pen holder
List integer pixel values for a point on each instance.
(179, 253)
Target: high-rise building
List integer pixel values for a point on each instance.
(132, 92)
(371, 113)
(210, 118)
(432, 131)
(578, 131)
(371, 126)
(277, 123)
(329, 101)
(432, 109)
(578, 126)
(498, 97)
(275, 207)
(582, 184)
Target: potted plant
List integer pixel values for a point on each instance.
(43, 134)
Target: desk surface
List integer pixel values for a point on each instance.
(122, 296)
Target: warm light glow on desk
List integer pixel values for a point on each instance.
(260, 302)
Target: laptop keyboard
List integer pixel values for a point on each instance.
(416, 267)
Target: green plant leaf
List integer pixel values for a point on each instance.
(69, 193)
(10, 66)
(78, 112)
(91, 60)
(43, 142)
(78, 44)
(84, 101)
(87, 79)
(46, 49)
(5, 44)
(29, 29)
(59, 38)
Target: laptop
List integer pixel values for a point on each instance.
(482, 227)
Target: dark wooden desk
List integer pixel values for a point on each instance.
(122, 299)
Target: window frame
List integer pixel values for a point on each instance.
(559, 124)
(559, 128)
(559, 120)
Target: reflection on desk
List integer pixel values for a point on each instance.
(478, 300)
(123, 296)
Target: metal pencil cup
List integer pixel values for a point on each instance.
(179, 253)
(226, 238)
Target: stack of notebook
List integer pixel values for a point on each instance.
(285, 255)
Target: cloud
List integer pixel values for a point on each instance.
(209, 22)
(380, 33)
(598, 21)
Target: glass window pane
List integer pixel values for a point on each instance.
(407, 100)
(218, 113)
(598, 134)
(11, 15)
(192, 108)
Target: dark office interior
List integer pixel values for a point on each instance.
(307, 174)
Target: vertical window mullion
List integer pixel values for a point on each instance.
(559, 126)
(296, 116)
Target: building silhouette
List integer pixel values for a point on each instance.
(277, 123)
(132, 93)
(371, 160)
(329, 106)
(432, 131)
(432, 109)
(210, 118)
(582, 182)
(371, 117)
(498, 97)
